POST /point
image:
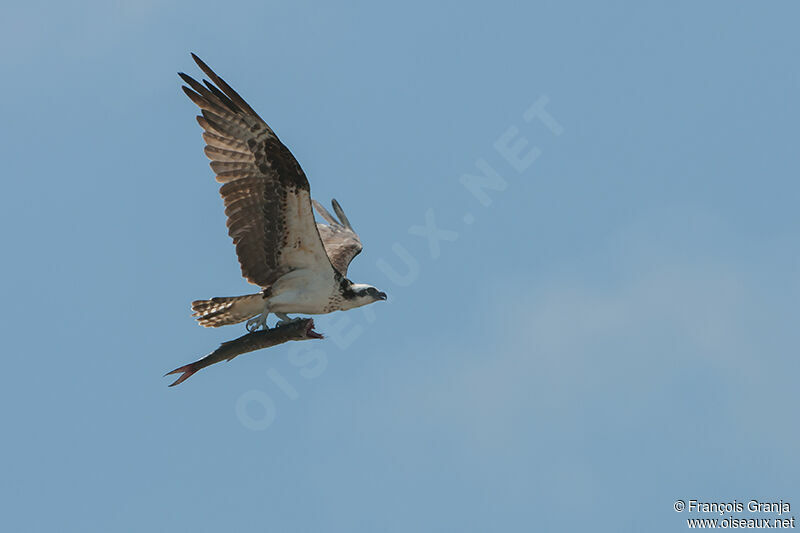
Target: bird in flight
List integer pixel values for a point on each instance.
(300, 265)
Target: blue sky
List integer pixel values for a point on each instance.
(614, 331)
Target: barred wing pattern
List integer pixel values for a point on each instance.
(266, 193)
(338, 236)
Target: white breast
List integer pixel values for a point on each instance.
(302, 291)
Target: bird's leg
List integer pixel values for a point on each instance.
(285, 319)
(258, 322)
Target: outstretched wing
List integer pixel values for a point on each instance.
(340, 239)
(266, 193)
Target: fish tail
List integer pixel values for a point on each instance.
(187, 370)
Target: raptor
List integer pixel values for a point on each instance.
(300, 265)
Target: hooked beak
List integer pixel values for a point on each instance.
(381, 296)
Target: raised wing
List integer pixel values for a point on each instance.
(340, 239)
(266, 193)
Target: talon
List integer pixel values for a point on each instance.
(256, 323)
(285, 320)
(288, 321)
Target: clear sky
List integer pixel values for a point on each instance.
(604, 323)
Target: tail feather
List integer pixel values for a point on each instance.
(226, 310)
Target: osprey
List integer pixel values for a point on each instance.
(301, 266)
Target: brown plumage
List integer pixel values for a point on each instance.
(341, 243)
(338, 236)
(300, 265)
(222, 311)
(266, 193)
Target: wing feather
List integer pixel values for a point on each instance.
(265, 192)
(229, 166)
(225, 143)
(340, 213)
(341, 242)
(227, 89)
(219, 94)
(324, 213)
(221, 154)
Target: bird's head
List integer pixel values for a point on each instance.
(358, 294)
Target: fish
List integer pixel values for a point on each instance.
(297, 330)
